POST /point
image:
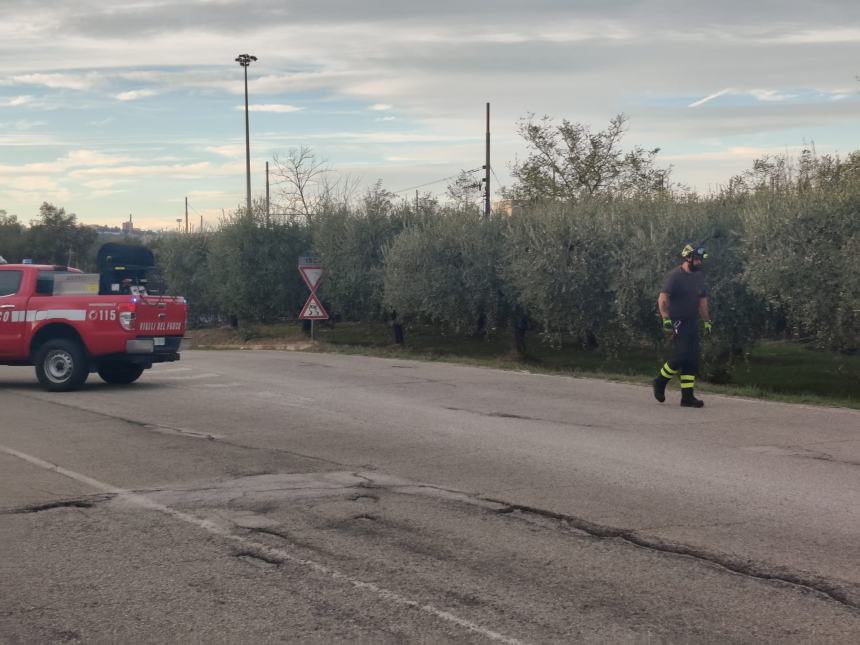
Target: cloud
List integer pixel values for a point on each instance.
(711, 97)
(61, 81)
(134, 95)
(770, 95)
(202, 169)
(207, 194)
(231, 80)
(758, 94)
(271, 107)
(82, 158)
(92, 158)
(389, 137)
(35, 182)
(25, 125)
(760, 73)
(102, 184)
(227, 151)
(733, 153)
(16, 101)
(380, 107)
(818, 36)
(38, 194)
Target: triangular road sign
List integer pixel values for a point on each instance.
(313, 310)
(311, 275)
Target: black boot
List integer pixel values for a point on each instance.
(660, 388)
(690, 401)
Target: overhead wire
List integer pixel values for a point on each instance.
(430, 183)
(493, 170)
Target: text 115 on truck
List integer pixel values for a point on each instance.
(67, 323)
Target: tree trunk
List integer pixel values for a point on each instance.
(521, 325)
(481, 326)
(399, 336)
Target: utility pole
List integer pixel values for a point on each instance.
(201, 224)
(267, 194)
(244, 60)
(416, 202)
(186, 215)
(487, 169)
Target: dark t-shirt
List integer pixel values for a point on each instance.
(684, 290)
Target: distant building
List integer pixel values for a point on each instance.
(509, 206)
(125, 229)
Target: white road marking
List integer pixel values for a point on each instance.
(214, 529)
(182, 432)
(187, 377)
(221, 385)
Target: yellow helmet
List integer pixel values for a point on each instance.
(690, 251)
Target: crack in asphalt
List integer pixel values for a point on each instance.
(739, 566)
(508, 415)
(164, 429)
(257, 555)
(48, 506)
(823, 456)
(745, 567)
(291, 539)
(502, 415)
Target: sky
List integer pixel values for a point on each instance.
(118, 108)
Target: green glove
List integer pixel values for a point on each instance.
(667, 326)
(708, 327)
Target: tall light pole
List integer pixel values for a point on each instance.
(244, 60)
(487, 169)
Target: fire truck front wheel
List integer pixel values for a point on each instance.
(61, 365)
(119, 373)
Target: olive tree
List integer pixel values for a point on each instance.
(12, 237)
(253, 266)
(184, 264)
(445, 270)
(568, 162)
(350, 242)
(803, 258)
(555, 260)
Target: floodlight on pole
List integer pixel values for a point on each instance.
(244, 60)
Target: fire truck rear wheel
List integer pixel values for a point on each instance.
(120, 373)
(62, 365)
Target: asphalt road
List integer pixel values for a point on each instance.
(256, 497)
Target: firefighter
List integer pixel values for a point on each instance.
(682, 302)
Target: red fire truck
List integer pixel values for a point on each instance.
(67, 323)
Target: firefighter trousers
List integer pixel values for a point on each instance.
(684, 348)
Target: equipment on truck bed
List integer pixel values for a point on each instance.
(123, 266)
